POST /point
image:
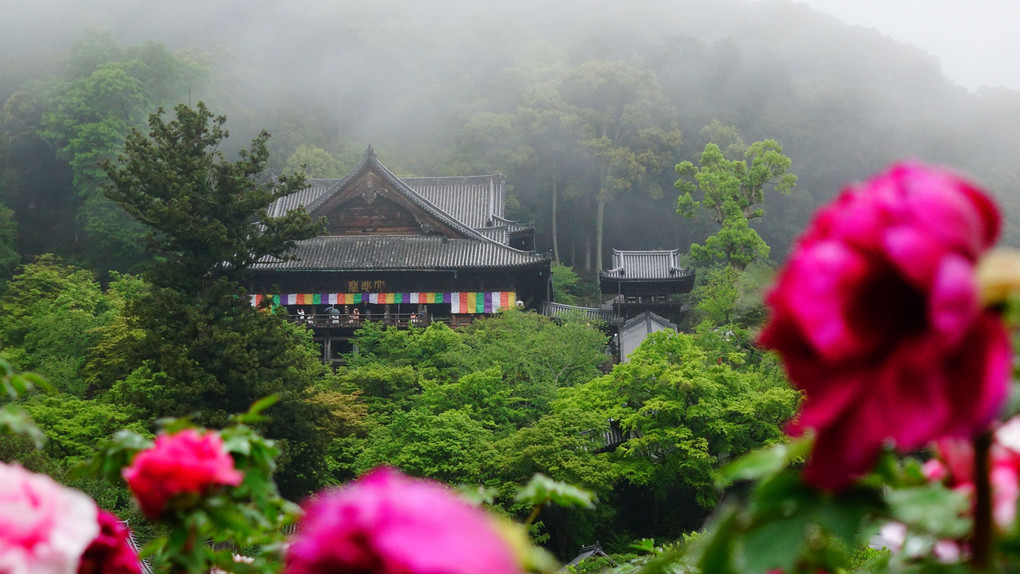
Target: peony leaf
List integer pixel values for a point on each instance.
(238, 443)
(777, 546)
(716, 545)
(542, 489)
(477, 494)
(781, 495)
(844, 514)
(16, 420)
(932, 508)
(38, 381)
(764, 462)
(254, 413)
(263, 404)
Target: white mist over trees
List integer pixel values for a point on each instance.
(454, 87)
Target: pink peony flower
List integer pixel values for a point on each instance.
(110, 552)
(388, 523)
(893, 535)
(178, 464)
(877, 317)
(44, 527)
(954, 465)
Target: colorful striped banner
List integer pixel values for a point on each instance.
(459, 301)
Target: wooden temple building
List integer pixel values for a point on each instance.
(652, 281)
(645, 291)
(406, 251)
(642, 292)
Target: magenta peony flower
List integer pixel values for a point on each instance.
(387, 523)
(954, 465)
(877, 318)
(183, 463)
(44, 527)
(110, 552)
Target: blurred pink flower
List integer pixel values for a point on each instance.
(110, 552)
(44, 527)
(388, 523)
(184, 463)
(954, 465)
(893, 535)
(877, 317)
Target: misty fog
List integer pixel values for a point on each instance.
(438, 88)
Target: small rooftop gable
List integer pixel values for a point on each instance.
(647, 265)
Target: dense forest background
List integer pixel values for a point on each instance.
(444, 89)
(586, 108)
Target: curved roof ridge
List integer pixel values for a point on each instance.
(420, 201)
(399, 252)
(475, 176)
(369, 161)
(645, 251)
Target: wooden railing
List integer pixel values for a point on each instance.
(355, 320)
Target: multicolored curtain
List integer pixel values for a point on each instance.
(459, 301)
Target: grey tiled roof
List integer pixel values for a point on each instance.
(587, 552)
(498, 234)
(648, 322)
(472, 200)
(370, 163)
(303, 198)
(475, 201)
(471, 206)
(645, 265)
(513, 226)
(400, 252)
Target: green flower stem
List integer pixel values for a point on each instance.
(534, 514)
(982, 544)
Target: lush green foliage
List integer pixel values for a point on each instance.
(724, 295)
(51, 313)
(517, 394)
(9, 257)
(84, 116)
(733, 191)
(199, 208)
(571, 289)
(685, 409)
(193, 344)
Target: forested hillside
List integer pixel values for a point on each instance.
(470, 89)
(714, 128)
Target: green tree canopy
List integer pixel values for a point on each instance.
(9, 256)
(201, 347)
(108, 92)
(687, 409)
(534, 354)
(733, 191)
(49, 314)
(447, 446)
(207, 217)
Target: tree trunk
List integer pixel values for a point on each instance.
(587, 252)
(600, 213)
(555, 242)
(598, 232)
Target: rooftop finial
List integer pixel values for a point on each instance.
(370, 151)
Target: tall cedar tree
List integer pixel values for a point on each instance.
(206, 351)
(734, 192)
